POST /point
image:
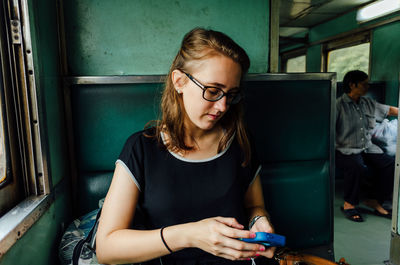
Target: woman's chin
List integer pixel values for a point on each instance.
(207, 126)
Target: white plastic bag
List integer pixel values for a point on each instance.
(385, 135)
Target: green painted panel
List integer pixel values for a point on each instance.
(294, 46)
(142, 37)
(385, 64)
(339, 25)
(333, 27)
(313, 61)
(39, 246)
(50, 96)
(385, 56)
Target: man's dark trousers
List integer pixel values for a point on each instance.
(355, 168)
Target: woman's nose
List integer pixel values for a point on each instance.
(221, 104)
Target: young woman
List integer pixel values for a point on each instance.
(193, 175)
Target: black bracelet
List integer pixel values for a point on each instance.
(162, 238)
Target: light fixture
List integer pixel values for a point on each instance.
(377, 9)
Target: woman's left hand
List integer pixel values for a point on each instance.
(263, 225)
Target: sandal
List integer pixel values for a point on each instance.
(351, 214)
(388, 215)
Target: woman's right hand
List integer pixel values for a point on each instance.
(219, 236)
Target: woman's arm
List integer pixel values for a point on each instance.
(254, 200)
(393, 111)
(116, 243)
(254, 203)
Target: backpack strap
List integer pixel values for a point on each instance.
(90, 238)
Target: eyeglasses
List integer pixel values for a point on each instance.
(211, 93)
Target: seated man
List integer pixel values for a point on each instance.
(355, 118)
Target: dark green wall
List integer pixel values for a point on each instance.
(39, 246)
(142, 37)
(385, 55)
(333, 27)
(313, 59)
(386, 63)
(48, 81)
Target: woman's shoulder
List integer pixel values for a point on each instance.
(144, 136)
(140, 143)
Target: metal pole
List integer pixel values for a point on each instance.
(274, 37)
(395, 241)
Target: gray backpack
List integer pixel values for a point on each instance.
(77, 245)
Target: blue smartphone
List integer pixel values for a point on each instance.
(266, 239)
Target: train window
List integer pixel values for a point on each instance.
(296, 64)
(11, 188)
(25, 189)
(350, 58)
(3, 175)
(294, 61)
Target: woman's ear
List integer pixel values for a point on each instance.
(179, 80)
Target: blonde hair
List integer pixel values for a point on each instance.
(199, 44)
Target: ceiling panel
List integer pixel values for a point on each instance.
(289, 31)
(308, 21)
(308, 13)
(291, 10)
(341, 6)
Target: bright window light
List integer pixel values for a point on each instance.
(377, 9)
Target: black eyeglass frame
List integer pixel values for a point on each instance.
(237, 95)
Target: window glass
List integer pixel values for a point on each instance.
(3, 163)
(296, 64)
(346, 59)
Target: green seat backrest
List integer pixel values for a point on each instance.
(290, 121)
(104, 116)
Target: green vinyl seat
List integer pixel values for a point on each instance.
(104, 116)
(295, 194)
(291, 120)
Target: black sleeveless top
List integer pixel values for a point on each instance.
(175, 190)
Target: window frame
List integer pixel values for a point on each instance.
(3, 126)
(285, 56)
(28, 149)
(349, 41)
(12, 190)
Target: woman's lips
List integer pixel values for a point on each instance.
(213, 117)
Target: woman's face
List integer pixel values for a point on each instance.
(217, 71)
